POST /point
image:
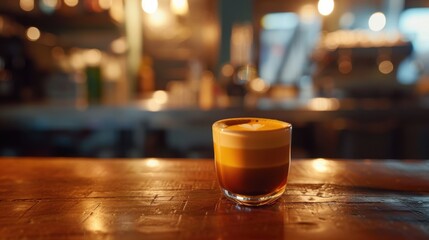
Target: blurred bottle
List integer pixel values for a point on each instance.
(207, 90)
(146, 81)
(194, 81)
(93, 84)
(243, 69)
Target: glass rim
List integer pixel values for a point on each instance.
(217, 125)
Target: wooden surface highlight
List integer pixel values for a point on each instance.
(180, 199)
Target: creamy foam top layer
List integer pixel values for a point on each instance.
(253, 124)
(251, 133)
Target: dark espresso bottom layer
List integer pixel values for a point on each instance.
(252, 181)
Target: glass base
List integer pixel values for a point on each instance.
(258, 200)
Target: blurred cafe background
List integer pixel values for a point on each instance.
(147, 78)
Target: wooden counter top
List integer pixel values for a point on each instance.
(179, 199)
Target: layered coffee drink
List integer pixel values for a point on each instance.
(252, 157)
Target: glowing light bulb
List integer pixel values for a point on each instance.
(377, 22)
(26, 5)
(150, 6)
(71, 3)
(325, 7)
(33, 33)
(179, 7)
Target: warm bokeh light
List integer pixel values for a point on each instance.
(160, 97)
(105, 4)
(385, 67)
(320, 165)
(362, 38)
(112, 70)
(149, 6)
(152, 106)
(92, 57)
(324, 104)
(156, 102)
(119, 46)
(71, 3)
(158, 19)
(227, 70)
(116, 12)
(307, 13)
(258, 85)
(325, 7)
(77, 60)
(26, 5)
(33, 33)
(179, 7)
(152, 163)
(377, 22)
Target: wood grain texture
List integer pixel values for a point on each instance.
(180, 199)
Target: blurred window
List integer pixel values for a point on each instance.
(287, 39)
(413, 23)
